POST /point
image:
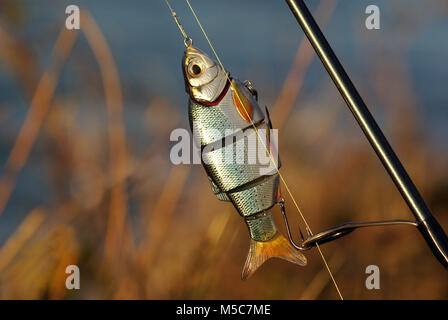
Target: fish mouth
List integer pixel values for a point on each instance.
(193, 52)
(190, 52)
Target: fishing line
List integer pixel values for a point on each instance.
(258, 135)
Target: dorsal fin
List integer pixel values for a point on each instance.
(242, 104)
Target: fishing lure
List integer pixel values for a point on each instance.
(219, 105)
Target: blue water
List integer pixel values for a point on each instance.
(256, 40)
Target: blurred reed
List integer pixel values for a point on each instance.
(35, 117)
(117, 220)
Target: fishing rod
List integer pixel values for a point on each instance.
(426, 223)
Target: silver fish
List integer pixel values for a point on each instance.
(218, 105)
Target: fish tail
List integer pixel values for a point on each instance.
(277, 247)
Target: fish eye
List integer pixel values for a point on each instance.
(194, 69)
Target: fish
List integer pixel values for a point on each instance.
(222, 111)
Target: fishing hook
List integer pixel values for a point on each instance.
(187, 40)
(281, 203)
(335, 232)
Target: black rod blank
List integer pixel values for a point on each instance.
(427, 224)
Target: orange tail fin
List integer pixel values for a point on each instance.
(277, 247)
